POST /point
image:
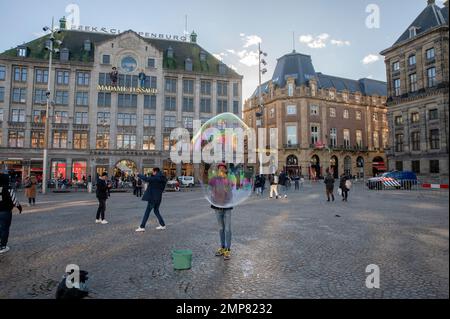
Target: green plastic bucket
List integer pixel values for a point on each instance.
(182, 259)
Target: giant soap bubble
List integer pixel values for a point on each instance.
(226, 179)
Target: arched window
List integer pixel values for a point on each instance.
(348, 165)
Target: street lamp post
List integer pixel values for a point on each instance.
(50, 47)
(262, 70)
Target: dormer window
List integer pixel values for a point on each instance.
(22, 52)
(170, 53)
(64, 55)
(412, 32)
(87, 45)
(203, 56)
(222, 69)
(290, 89)
(188, 64)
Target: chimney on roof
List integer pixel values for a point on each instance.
(62, 23)
(431, 2)
(193, 37)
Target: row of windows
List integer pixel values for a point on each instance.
(430, 54)
(413, 84)
(205, 87)
(415, 117)
(434, 141)
(124, 100)
(103, 118)
(20, 74)
(291, 137)
(83, 79)
(16, 139)
(415, 166)
(314, 111)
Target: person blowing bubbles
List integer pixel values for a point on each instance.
(221, 196)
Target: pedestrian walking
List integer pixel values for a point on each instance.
(30, 190)
(102, 193)
(134, 184)
(258, 185)
(7, 204)
(139, 187)
(329, 185)
(345, 185)
(284, 182)
(273, 180)
(296, 182)
(263, 183)
(156, 183)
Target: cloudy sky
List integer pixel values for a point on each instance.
(344, 37)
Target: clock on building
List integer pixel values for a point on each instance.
(128, 64)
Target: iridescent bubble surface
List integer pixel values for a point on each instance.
(226, 179)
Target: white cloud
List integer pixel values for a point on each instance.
(242, 35)
(251, 40)
(250, 58)
(340, 43)
(219, 56)
(320, 41)
(371, 58)
(370, 76)
(306, 38)
(233, 67)
(317, 42)
(246, 57)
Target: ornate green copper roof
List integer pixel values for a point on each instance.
(74, 41)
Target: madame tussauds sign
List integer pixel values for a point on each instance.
(124, 89)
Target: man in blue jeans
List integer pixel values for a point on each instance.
(153, 196)
(221, 195)
(224, 220)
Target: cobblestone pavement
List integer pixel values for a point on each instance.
(289, 248)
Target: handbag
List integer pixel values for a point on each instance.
(348, 184)
(340, 191)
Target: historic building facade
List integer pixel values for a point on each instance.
(101, 120)
(417, 69)
(323, 121)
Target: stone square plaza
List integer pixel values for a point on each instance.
(297, 247)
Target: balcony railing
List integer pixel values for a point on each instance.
(291, 146)
(349, 148)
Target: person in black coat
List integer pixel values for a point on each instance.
(329, 185)
(7, 204)
(343, 187)
(102, 194)
(153, 196)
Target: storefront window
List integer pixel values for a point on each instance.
(59, 169)
(79, 171)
